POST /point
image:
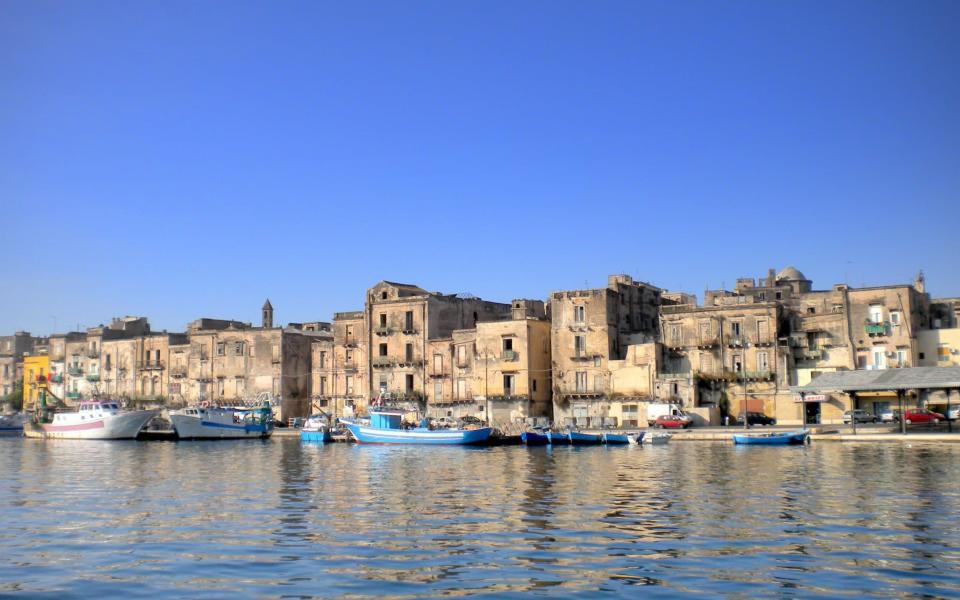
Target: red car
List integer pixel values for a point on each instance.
(922, 415)
(671, 422)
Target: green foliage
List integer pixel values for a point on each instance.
(15, 398)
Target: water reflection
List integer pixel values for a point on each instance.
(284, 518)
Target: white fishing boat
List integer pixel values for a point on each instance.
(222, 422)
(657, 439)
(93, 420)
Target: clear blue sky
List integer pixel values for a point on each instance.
(186, 159)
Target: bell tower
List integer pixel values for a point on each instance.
(267, 315)
(920, 283)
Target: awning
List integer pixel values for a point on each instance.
(884, 380)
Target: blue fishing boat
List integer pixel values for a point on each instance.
(615, 438)
(584, 439)
(776, 438)
(533, 438)
(555, 438)
(316, 430)
(385, 428)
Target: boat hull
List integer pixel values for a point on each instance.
(615, 438)
(584, 439)
(321, 435)
(772, 439)
(558, 439)
(121, 426)
(659, 439)
(211, 427)
(532, 438)
(447, 437)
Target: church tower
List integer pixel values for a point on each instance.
(920, 283)
(267, 315)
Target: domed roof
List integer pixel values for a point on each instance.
(790, 274)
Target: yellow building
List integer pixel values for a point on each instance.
(35, 371)
(939, 347)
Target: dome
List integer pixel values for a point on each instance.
(790, 274)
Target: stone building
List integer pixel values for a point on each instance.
(591, 328)
(499, 371)
(12, 349)
(340, 365)
(231, 361)
(402, 321)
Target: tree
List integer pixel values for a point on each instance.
(15, 398)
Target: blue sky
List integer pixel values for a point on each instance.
(186, 159)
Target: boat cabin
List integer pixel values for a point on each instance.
(386, 420)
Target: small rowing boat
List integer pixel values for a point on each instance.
(776, 438)
(315, 429)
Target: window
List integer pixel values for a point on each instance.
(581, 381)
(461, 389)
(409, 380)
(598, 383)
(579, 313)
(861, 361)
(383, 319)
(508, 389)
(533, 385)
(323, 360)
(779, 295)
(349, 355)
(383, 295)
(349, 384)
(763, 362)
(239, 384)
(676, 334)
(107, 363)
(596, 360)
(943, 353)
(383, 349)
(763, 330)
(219, 386)
(323, 386)
(762, 296)
(921, 355)
(902, 357)
(630, 415)
(438, 364)
(876, 313)
(879, 357)
(811, 310)
(706, 363)
(894, 318)
(737, 363)
(508, 343)
(408, 321)
(237, 350)
(461, 355)
(580, 345)
(438, 392)
(704, 330)
(221, 348)
(408, 352)
(735, 328)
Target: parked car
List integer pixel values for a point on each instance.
(671, 422)
(861, 416)
(953, 413)
(889, 415)
(755, 418)
(471, 421)
(922, 415)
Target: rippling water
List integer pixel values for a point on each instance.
(208, 519)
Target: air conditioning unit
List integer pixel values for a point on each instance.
(891, 354)
(954, 351)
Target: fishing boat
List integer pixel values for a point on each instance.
(11, 424)
(315, 429)
(217, 423)
(93, 420)
(533, 438)
(556, 438)
(584, 439)
(776, 438)
(386, 428)
(616, 438)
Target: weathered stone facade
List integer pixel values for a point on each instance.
(591, 328)
(340, 366)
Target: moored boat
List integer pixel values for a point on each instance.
(775, 438)
(385, 428)
(615, 438)
(315, 429)
(215, 423)
(11, 424)
(556, 438)
(93, 420)
(533, 438)
(584, 439)
(657, 439)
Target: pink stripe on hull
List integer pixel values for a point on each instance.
(78, 427)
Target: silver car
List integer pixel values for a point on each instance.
(861, 416)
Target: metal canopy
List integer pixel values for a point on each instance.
(913, 378)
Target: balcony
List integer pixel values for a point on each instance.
(350, 342)
(409, 330)
(811, 353)
(880, 328)
(75, 371)
(583, 356)
(73, 395)
(380, 362)
(178, 372)
(508, 355)
(381, 330)
(440, 374)
(57, 378)
(150, 365)
(93, 353)
(93, 376)
(708, 341)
